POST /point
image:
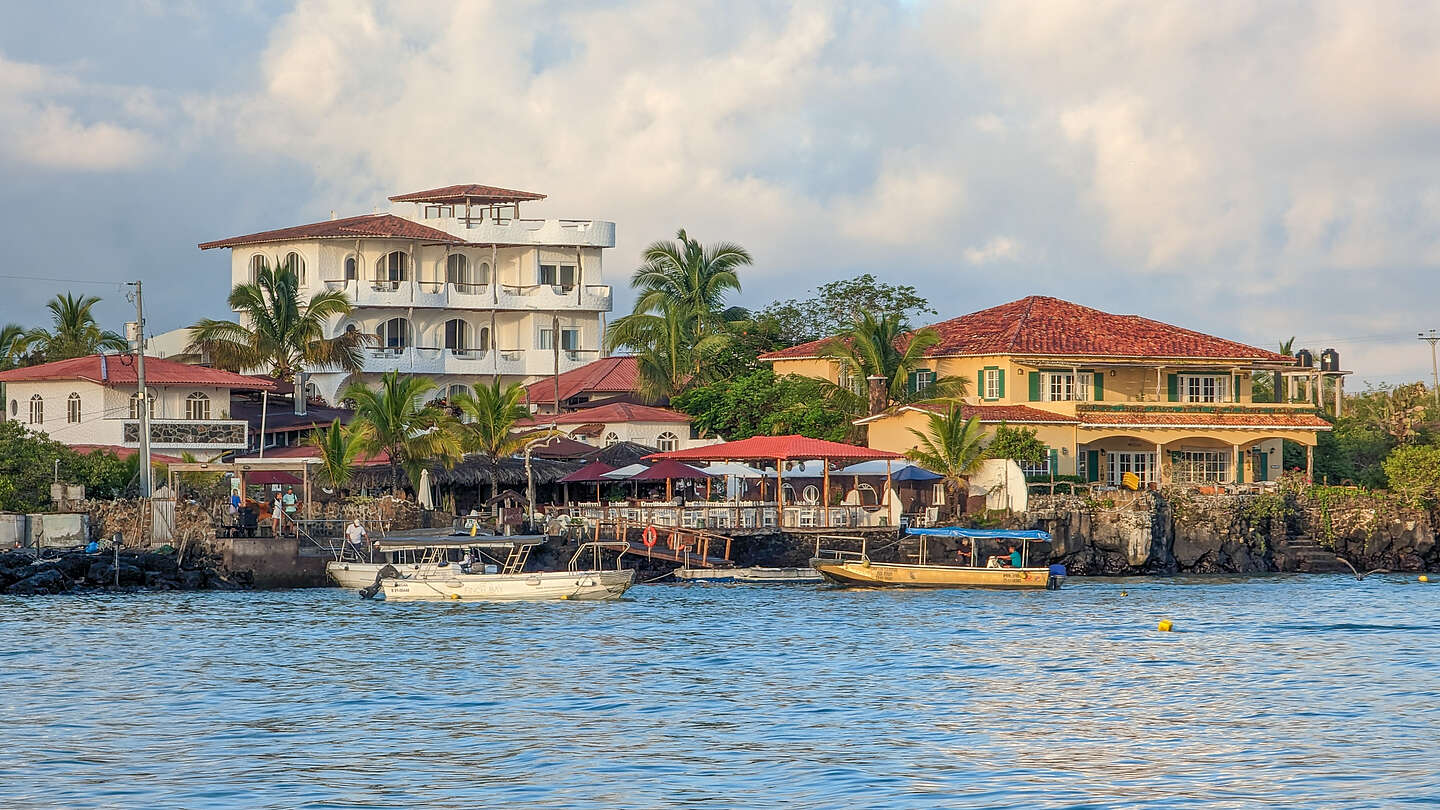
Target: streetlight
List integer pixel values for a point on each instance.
(1432, 337)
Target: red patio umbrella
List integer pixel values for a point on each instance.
(594, 472)
(668, 470)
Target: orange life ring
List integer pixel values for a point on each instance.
(649, 535)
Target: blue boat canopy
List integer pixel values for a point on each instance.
(983, 534)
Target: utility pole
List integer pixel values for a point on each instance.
(1432, 337)
(555, 344)
(144, 395)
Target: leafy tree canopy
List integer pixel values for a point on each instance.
(1414, 474)
(760, 403)
(837, 305)
(28, 465)
(1017, 444)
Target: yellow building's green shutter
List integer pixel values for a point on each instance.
(1173, 383)
(1034, 386)
(1097, 392)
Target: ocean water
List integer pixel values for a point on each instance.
(1292, 691)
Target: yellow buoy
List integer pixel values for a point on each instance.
(1124, 593)
(1165, 626)
(1424, 578)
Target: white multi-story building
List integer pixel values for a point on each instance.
(464, 290)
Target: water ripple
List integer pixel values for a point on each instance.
(1284, 691)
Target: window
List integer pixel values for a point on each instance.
(482, 275)
(257, 264)
(1119, 463)
(393, 267)
(1200, 466)
(457, 335)
(921, 379)
(352, 268)
(558, 275)
(37, 410)
(296, 265)
(135, 405)
(455, 390)
(457, 271)
(991, 387)
(611, 439)
(197, 406)
(72, 408)
(484, 342)
(1065, 386)
(667, 441)
(1204, 388)
(547, 338)
(394, 334)
(1041, 467)
(570, 340)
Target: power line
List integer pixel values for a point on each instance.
(64, 280)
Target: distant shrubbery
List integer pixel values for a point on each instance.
(30, 461)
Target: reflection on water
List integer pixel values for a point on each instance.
(1296, 691)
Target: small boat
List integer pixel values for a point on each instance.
(856, 568)
(754, 574)
(423, 550)
(447, 583)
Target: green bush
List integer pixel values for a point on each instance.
(1414, 474)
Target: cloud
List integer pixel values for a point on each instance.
(40, 130)
(998, 249)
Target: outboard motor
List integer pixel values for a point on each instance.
(369, 591)
(1057, 576)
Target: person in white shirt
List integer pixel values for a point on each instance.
(356, 534)
(466, 561)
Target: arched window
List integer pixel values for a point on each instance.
(611, 439)
(72, 408)
(457, 271)
(37, 410)
(457, 335)
(483, 344)
(135, 405)
(197, 406)
(296, 265)
(394, 334)
(257, 263)
(455, 390)
(482, 274)
(667, 441)
(352, 268)
(393, 266)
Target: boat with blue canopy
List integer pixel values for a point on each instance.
(1007, 568)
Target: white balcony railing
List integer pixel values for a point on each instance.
(442, 295)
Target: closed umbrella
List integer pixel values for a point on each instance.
(425, 497)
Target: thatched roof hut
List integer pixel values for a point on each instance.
(621, 454)
(476, 469)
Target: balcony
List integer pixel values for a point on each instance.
(441, 295)
(547, 232)
(474, 362)
(188, 434)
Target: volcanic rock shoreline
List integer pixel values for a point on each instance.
(74, 571)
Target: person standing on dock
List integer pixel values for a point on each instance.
(356, 535)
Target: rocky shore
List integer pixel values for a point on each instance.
(22, 575)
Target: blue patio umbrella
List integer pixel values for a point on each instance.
(913, 473)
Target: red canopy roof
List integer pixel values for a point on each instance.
(667, 469)
(781, 448)
(589, 474)
(118, 370)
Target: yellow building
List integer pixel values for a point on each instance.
(1107, 394)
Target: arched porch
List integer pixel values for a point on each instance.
(1166, 457)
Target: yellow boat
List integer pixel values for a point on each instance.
(856, 568)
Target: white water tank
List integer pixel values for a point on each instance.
(13, 530)
(59, 530)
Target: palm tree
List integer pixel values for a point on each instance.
(951, 446)
(490, 414)
(680, 315)
(1277, 380)
(881, 346)
(338, 450)
(10, 345)
(76, 333)
(285, 334)
(397, 419)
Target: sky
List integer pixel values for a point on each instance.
(1251, 170)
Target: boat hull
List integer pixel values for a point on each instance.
(753, 574)
(356, 575)
(898, 575)
(539, 586)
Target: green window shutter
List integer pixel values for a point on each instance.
(1034, 386)
(1236, 389)
(1239, 466)
(1097, 392)
(1173, 382)
(980, 383)
(912, 382)
(1001, 373)
(1092, 465)
(1054, 462)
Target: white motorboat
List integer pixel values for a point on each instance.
(754, 574)
(421, 551)
(447, 583)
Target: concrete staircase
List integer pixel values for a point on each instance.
(1307, 556)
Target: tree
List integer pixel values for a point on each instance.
(838, 304)
(338, 449)
(761, 403)
(679, 316)
(1270, 387)
(28, 463)
(950, 445)
(284, 334)
(1414, 474)
(75, 332)
(880, 346)
(490, 415)
(396, 419)
(11, 337)
(1016, 444)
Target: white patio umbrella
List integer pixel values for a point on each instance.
(424, 496)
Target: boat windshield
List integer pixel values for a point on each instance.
(983, 548)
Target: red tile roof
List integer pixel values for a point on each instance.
(989, 414)
(118, 370)
(1039, 325)
(123, 452)
(607, 414)
(364, 226)
(608, 375)
(1292, 420)
(771, 448)
(378, 458)
(471, 191)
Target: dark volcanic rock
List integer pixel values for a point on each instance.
(102, 573)
(46, 581)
